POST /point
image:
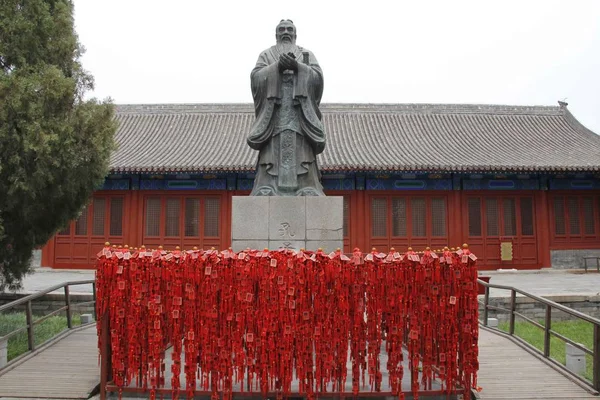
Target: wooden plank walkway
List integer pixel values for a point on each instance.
(67, 369)
(507, 371)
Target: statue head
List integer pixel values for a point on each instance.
(285, 33)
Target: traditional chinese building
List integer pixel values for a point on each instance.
(520, 184)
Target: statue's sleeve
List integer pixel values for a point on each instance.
(310, 79)
(264, 82)
(309, 89)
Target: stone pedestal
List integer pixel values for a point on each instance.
(290, 222)
(86, 319)
(575, 358)
(492, 323)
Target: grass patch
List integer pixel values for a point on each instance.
(42, 332)
(578, 331)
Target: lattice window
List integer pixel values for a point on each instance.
(491, 216)
(116, 216)
(438, 216)
(399, 217)
(153, 216)
(81, 224)
(419, 213)
(172, 217)
(510, 217)
(66, 231)
(559, 216)
(474, 211)
(526, 216)
(379, 217)
(573, 211)
(587, 205)
(192, 217)
(99, 215)
(212, 211)
(346, 216)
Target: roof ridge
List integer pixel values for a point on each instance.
(402, 108)
(579, 127)
(443, 108)
(179, 108)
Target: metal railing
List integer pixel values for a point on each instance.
(546, 327)
(31, 323)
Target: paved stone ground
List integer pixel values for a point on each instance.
(44, 277)
(544, 282)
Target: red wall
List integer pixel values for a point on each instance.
(530, 251)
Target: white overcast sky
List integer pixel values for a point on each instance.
(524, 52)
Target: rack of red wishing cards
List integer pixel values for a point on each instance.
(286, 322)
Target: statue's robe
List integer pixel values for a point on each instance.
(288, 131)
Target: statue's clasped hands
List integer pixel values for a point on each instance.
(288, 61)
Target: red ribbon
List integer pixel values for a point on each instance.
(263, 319)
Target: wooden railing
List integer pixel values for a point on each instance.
(31, 323)
(546, 327)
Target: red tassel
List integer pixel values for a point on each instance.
(263, 319)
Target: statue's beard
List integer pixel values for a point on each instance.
(284, 46)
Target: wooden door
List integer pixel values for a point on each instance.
(492, 219)
(575, 220)
(403, 220)
(102, 220)
(184, 220)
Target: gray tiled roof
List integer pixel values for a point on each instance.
(363, 137)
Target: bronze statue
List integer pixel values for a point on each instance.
(287, 85)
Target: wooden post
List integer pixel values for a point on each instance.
(486, 301)
(513, 306)
(29, 316)
(68, 304)
(596, 359)
(95, 300)
(547, 327)
(105, 356)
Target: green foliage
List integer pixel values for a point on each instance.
(42, 332)
(54, 145)
(578, 331)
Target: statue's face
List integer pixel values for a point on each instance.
(286, 32)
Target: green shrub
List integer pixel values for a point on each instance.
(42, 332)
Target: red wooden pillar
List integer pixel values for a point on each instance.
(542, 224)
(131, 220)
(139, 218)
(48, 254)
(360, 230)
(227, 201)
(455, 211)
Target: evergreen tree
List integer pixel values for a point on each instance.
(54, 145)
